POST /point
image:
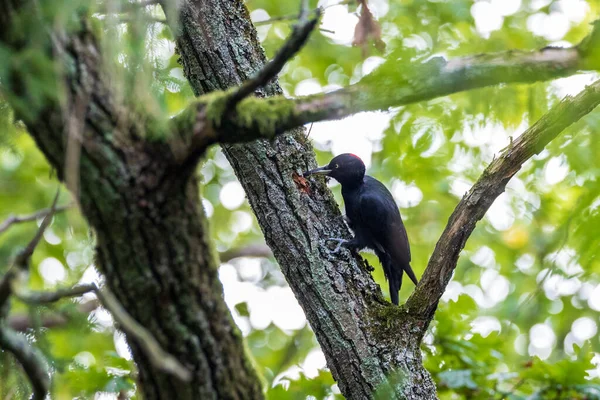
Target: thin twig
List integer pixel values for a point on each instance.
(22, 259)
(310, 130)
(17, 219)
(293, 44)
(52, 297)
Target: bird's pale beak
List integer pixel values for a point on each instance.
(318, 171)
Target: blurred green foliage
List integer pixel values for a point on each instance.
(520, 318)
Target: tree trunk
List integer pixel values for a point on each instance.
(365, 339)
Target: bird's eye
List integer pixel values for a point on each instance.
(337, 165)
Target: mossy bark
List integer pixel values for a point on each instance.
(153, 244)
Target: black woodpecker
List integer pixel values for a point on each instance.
(373, 216)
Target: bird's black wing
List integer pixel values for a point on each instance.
(380, 217)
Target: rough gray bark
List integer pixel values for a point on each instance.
(363, 337)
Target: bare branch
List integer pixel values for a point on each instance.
(293, 44)
(52, 297)
(17, 219)
(30, 358)
(253, 250)
(157, 356)
(490, 185)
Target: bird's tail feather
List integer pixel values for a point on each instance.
(407, 268)
(395, 282)
(394, 274)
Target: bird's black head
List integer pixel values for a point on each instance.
(347, 169)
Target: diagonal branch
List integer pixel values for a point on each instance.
(490, 185)
(22, 259)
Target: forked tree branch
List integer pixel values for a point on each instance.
(21, 261)
(492, 182)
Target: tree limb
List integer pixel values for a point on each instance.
(158, 357)
(31, 297)
(423, 302)
(30, 358)
(383, 88)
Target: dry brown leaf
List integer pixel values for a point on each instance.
(367, 29)
(301, 183)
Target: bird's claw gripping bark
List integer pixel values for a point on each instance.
(338, 247)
